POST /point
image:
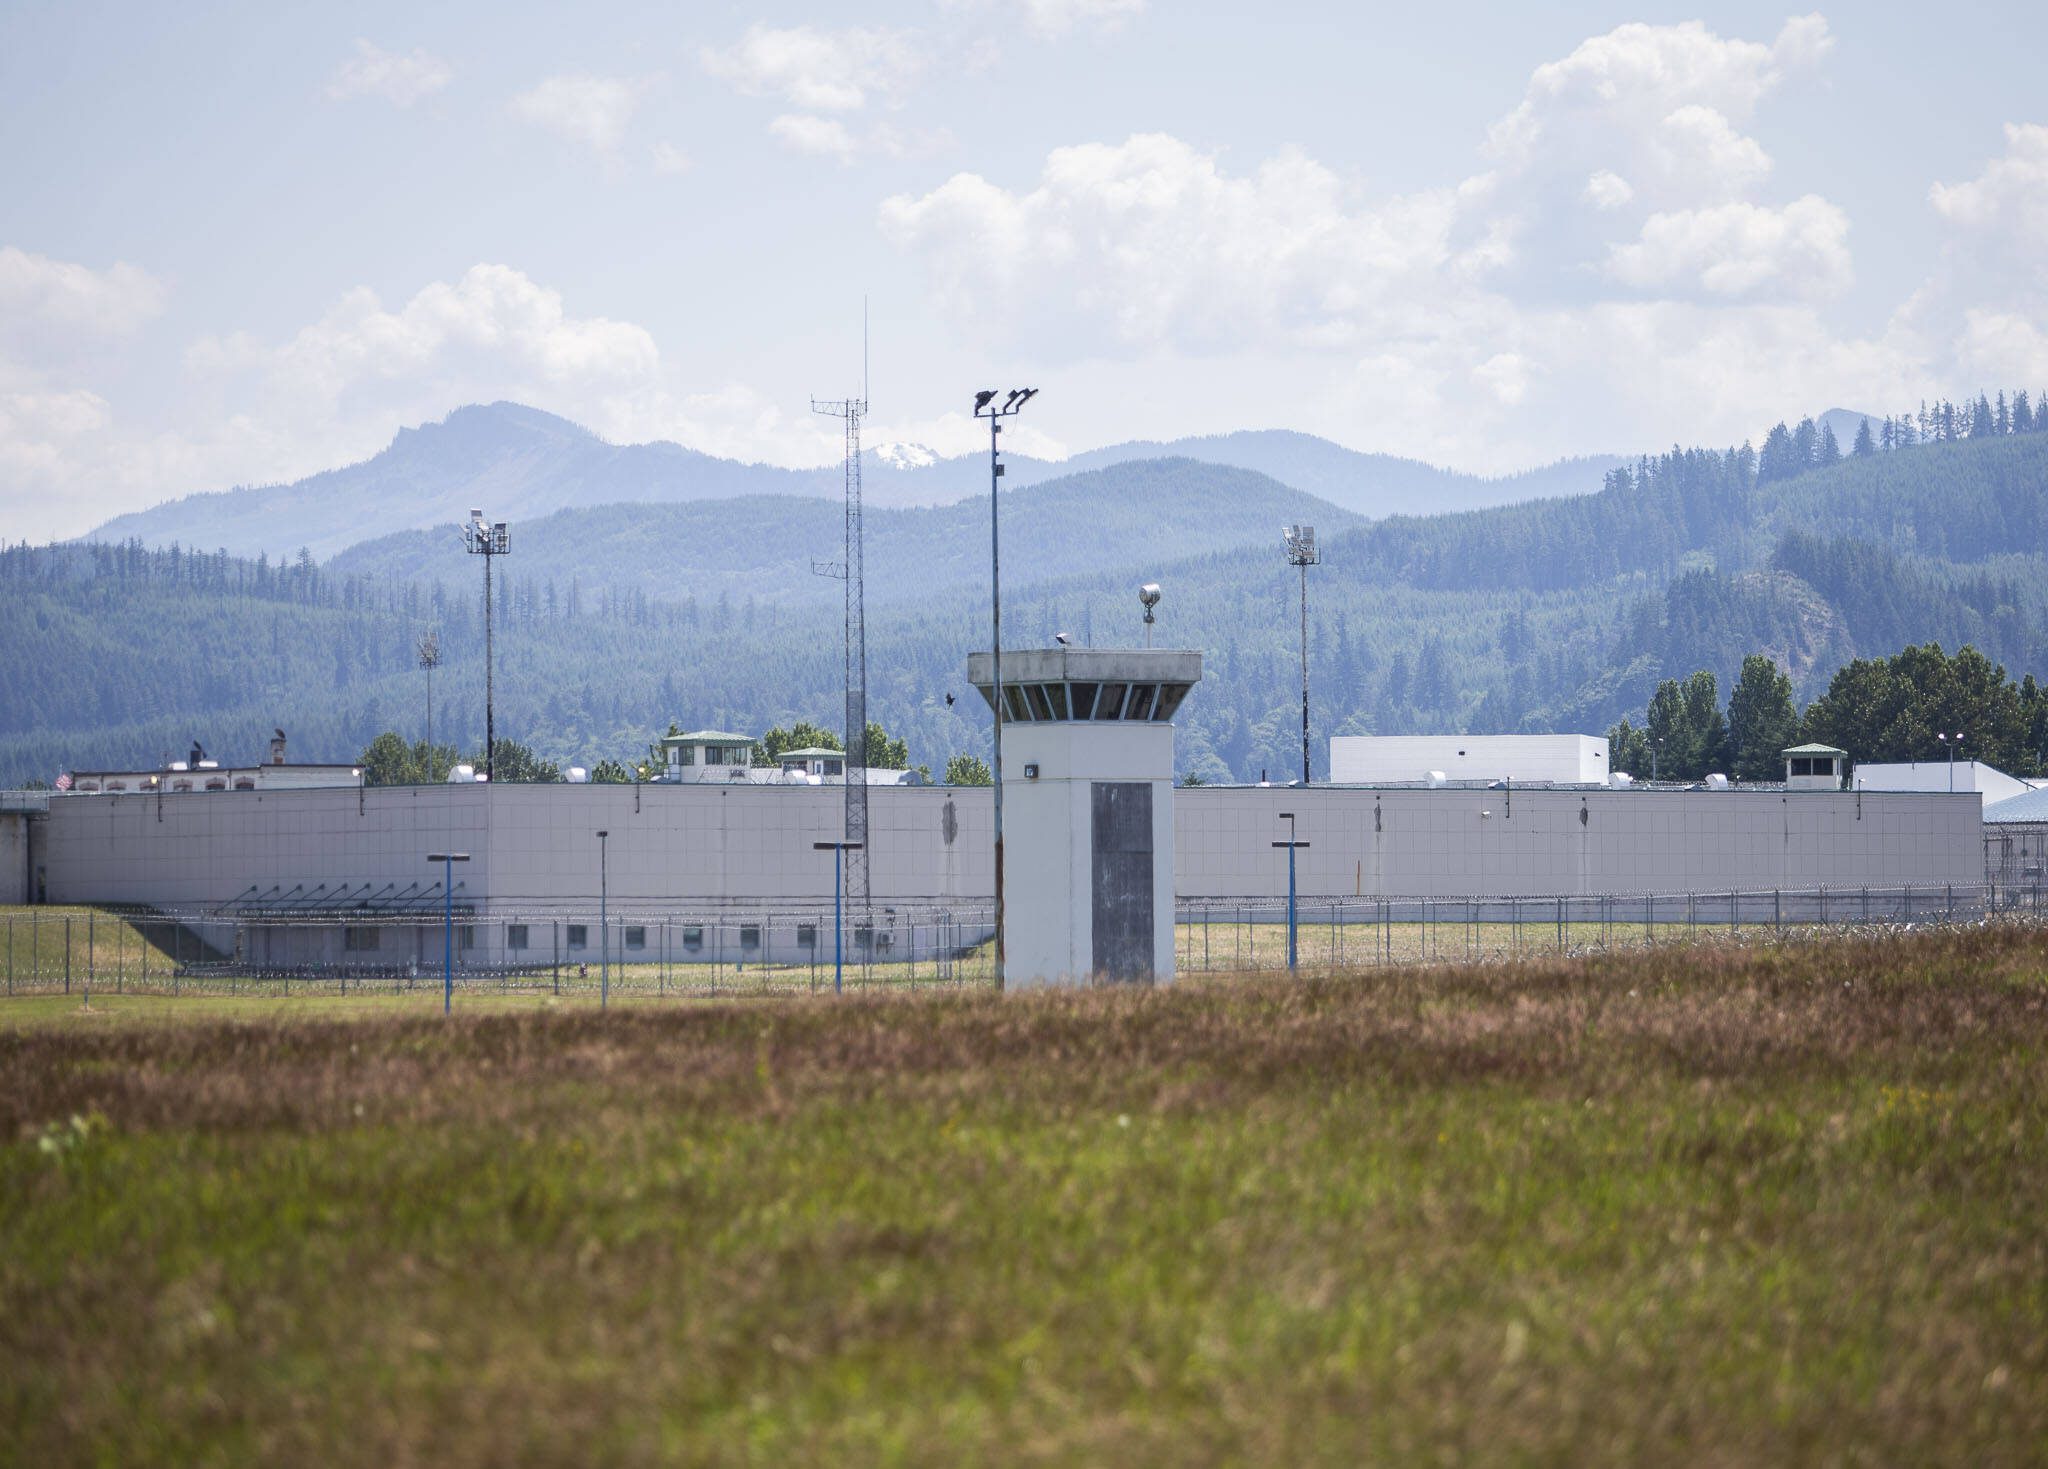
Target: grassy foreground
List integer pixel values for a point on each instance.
(1706, 1204)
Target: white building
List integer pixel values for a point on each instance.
(1990, 783)
(199, 773)
(1558, 759)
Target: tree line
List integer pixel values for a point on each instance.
(1918, 704)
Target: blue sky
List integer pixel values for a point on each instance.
(242, 243)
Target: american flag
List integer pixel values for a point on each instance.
(64, 780)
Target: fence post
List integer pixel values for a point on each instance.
(1560, 925)
(1951, 902)
(1777, 910)
(67, 953)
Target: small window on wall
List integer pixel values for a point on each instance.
(1170, 696)
(361, 940)
(1041, 707)
(1084, 700)
(750, 935)
(1058, 694)
(1140, 705)
(807, 935)
(244, 783)
(1016, 709)
(1109, 704)
(515, 935)
(577, 936)
(693, 939)
(465, 936)
(636, 937)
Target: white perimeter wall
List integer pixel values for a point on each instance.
(1991, 783)
(700, 847)
(1378, 759)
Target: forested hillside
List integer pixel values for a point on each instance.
(1563, 614)
(765, 547)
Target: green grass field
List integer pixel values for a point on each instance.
(1713, 1204)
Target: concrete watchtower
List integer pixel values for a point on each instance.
(1088, 809)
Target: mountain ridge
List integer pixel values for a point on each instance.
(518, 463)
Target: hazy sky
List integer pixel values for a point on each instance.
(241, 243)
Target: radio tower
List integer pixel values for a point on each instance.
(850, 571)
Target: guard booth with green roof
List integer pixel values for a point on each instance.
(707, 755)
(1814, 768)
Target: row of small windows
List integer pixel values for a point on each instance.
(366, 939)
(1043, 703)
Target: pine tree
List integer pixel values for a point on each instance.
(2022, 413)
(1761, 719)
(1829, 450)
(1865, 446)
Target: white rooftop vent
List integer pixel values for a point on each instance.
(578, 775)
(1717, 782)
(1621, 780)
(461, 774)
(1435, 779)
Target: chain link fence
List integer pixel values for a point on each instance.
(84, 951)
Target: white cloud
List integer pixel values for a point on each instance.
(668, 158)
(399, 79)
(40, 296)
(1149, 242)
(594, 111)
(820, 70)
(1606, 189)
(1737, 250)
(2010, 195)
(809, 133)
(1053, 19)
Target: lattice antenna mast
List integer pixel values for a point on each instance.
(852, 572)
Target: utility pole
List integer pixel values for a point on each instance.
(489, 542)
(1293, 928)
(1302, 553)
(985, 407)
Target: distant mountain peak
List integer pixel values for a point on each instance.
(493, 420)
(905, 456)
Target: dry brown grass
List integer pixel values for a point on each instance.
(1718, 1204)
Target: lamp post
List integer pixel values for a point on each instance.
(604, 934)
(447, 861)
(487, 541)
(985, 407)
(428, 653)
(1302, 553)
(1293, 951)
(1954, 743)
(839, 851)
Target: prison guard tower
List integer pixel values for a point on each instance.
(1088, 810)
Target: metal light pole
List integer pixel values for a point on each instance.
(985, 407)
(838, 851)
(1954, 743)
(487, 541)
(1293, 951)
(447, 861)
(604, 933)
(429, 655)
(1302, 553)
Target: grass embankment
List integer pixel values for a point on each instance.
(1715, 1205)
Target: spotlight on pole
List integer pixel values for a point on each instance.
(1148, 598)
(984, 407)
(1302, 553)
(489, 542)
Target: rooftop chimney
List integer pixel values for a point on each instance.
(277, 748)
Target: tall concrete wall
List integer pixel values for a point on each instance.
(683, 848)
(16, 882)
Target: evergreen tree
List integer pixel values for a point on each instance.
(2022, 413)
(1865, 447)
(1829, 449)
(1685, 727)
(1761, 720)
(1628, 750)
(968, 770)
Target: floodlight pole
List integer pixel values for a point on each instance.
(1302, 552)
(604, 938)
(447, 861)
(488, 541)
(1293, 930)
(1954, 743)
(838, 851)
(985, 407)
